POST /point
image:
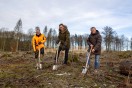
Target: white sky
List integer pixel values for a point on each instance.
(78, 15)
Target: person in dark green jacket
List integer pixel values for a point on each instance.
(64, 39)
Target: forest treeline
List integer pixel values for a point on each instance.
(17, 40)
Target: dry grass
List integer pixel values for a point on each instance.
(18, 71)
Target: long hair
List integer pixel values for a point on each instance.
(63, 26)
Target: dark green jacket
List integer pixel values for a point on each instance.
(95, 39)
(64, 38)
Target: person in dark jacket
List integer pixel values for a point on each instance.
(64, 39)
(94, 41)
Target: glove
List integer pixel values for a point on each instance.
(40, 43)
(62, 42)
(88, 50)
(63, 47)
(57, 41)
(36, 51)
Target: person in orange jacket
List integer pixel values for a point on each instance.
(38, 41)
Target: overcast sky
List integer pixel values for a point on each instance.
(78, 15)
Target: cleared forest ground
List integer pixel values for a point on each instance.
(17, 70)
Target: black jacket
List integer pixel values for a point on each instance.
(95, 40)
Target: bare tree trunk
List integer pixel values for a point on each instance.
(17, 45)
(3, 45)
(18, 30)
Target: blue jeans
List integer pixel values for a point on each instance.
(96, 62)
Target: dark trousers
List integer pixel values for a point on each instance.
(37, 52)
(66, 54)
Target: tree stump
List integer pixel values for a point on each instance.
(125, 67)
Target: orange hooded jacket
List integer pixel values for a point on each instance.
(35, 42)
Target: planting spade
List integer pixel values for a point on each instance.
(85, 68)
(55, 66)
(39, 64)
